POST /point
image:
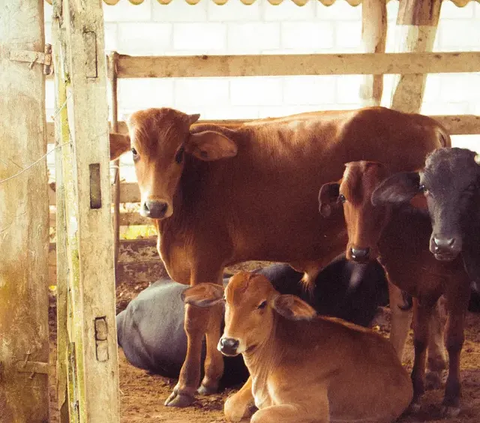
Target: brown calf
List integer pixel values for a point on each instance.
(399, 237)
(303, 368)
(222, 195)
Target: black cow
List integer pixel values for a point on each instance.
(450, 183)
(150, 329)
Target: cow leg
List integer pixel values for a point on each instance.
(436, 347)
(401, 319)
(241, 405)
(422, 311)
(213, 359)
(196, 322)
(291, 413)
(457, 304)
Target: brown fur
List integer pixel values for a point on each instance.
(262, 203)
(399, 237)
(305, 368)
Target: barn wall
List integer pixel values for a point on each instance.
(180, 29)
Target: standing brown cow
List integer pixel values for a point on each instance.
(223, 195)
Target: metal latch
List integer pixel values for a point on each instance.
(34, 57)
(32, 367)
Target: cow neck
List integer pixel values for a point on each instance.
(262, 359)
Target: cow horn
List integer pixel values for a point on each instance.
(193, 118)
(477, 159)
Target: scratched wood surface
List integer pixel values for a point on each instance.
(23, 218)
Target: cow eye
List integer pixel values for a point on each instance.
(342, 198)
(179, 155)
(135, 154)
(423, 188)
(262, 305)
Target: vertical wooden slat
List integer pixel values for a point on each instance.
(113, 57)
(23, 218)
(374, 36)
(61, 137)
(92, 347)
(416, 29)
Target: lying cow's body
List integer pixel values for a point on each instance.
(399, 237)
(303, 368)
(150, 330)
(225, 195)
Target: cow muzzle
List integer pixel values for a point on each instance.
(360, 255)
(228, 346)
(154, 209)
(445, 248)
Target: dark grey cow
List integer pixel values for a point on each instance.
(450, 183)
(150, 329)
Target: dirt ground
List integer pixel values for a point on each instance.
(142, 394)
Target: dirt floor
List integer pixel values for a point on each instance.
(142, 394)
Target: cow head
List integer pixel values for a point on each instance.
(252, 305)
(159, 140)
(450, 183)
(365, 222)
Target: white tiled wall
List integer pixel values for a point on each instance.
(261, 28)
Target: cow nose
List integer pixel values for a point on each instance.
(360, 254)
(228, 346)
(155, 209)
(443, 243)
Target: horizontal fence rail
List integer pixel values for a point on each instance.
(296, 64)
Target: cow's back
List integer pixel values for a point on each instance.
(262, 204)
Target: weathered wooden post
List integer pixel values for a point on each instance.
(89, 346)
(23, 215)
(374, 36)
(417, 23)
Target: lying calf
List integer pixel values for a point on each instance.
(150, 330)
(303, 368)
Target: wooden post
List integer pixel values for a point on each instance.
(416, 29)
(374, 35)
(113, 58)
(24, 352)
(92, 361)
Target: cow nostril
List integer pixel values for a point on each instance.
(229, 344)
(155, 209)
(443, 243)
(360, 253)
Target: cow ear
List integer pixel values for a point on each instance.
(119, 144)
(293, 308)
(210, 145)
(203, 295)
(398, 188)
(327, 197)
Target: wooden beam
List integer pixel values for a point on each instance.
(23, 218)
(296, 64)
(374, 36)
(416, 29)
(92, 348)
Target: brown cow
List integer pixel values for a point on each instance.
(303, 368)
(399, 236)
(222, 195)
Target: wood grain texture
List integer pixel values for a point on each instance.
(23, 219)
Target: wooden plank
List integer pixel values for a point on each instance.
(61, 263)
(296, 64)
(125, 219)
(374, 37)
(416, 29)
(93, 360)
(112, 65)
(23, 218)
(458, 124)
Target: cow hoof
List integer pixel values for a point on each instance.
(433, 380)
(450, 411)
(207, 390)
(179, 400)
